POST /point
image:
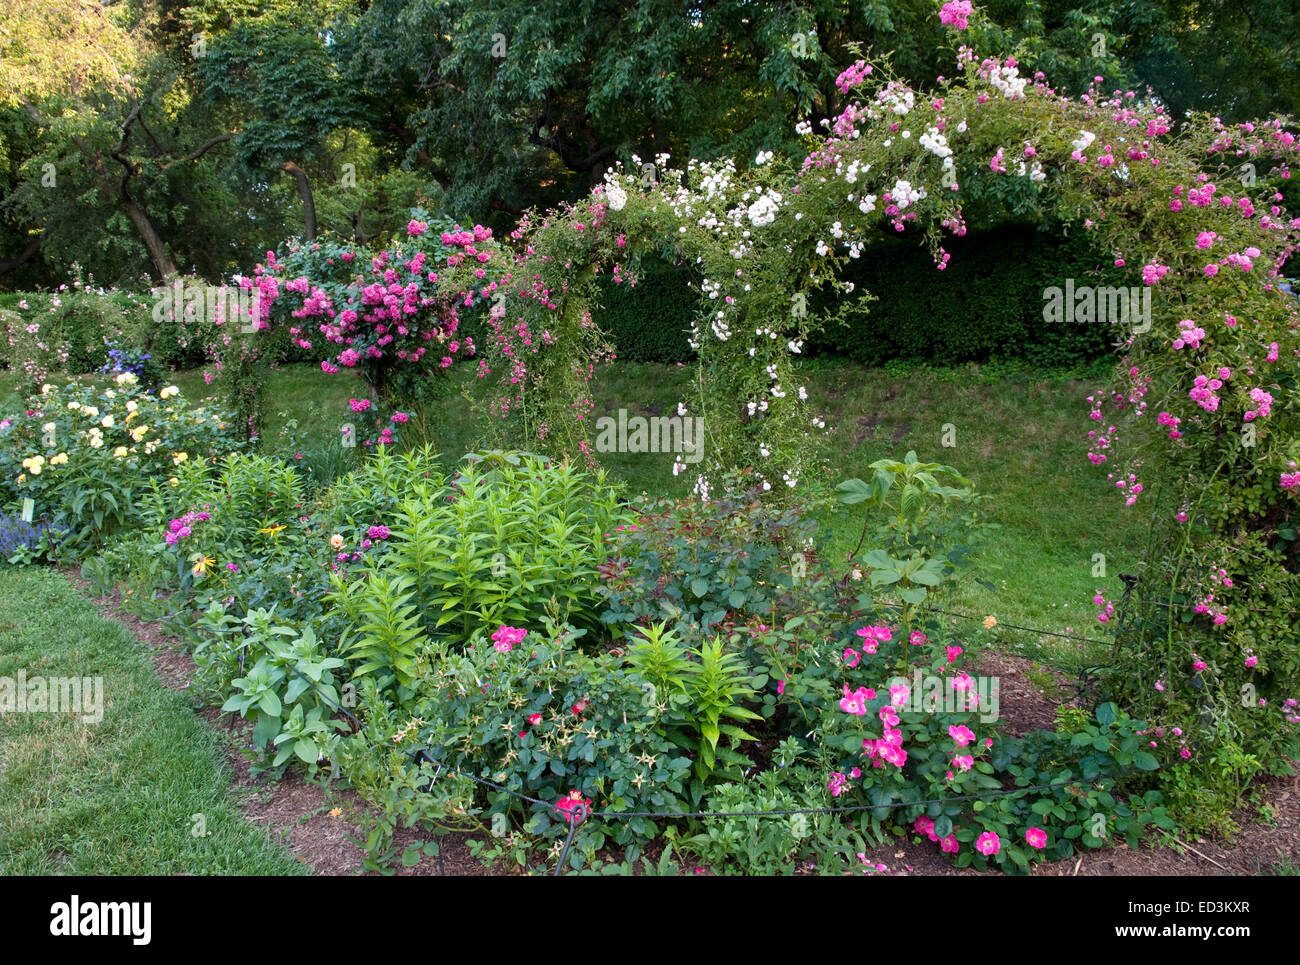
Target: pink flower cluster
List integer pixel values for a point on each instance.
(855, 701)
(888, 749)
(1203, 392)
(1263, 405)
(505, 638)
(924, 825)
(1189, 335)
(181, 527)
(955, 12)
(853, 76)
(873, 637)
(1107, 609)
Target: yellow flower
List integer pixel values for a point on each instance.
(120, 452)
(59, 460)
(96, 442)
(46, 389)
(168, 392)
(179, 457)
(138, 432)
(35, 469)
(173, 482)
(106, 422)
(74, 405)
(126, 378)
(48, 427)
(335, 813)
(201, 564)
(22, 478)
(990, 622)
(90, 410)
(110, 394)
(271, 530)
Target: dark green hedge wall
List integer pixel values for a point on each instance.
(987, 304)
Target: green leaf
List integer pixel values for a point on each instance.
(912, 594)
(699, 586)
(1106, 714)
(710, 733)
(1145, 761)
(854, 491)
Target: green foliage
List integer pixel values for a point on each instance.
(496, 546)
(542, 719)
(702, 565)
(86, 456)
(651, 320)
(696, 697)
(753, 844)
(287, 691)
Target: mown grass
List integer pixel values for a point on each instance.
(120, 796)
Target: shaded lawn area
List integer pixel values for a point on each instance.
(116, 797)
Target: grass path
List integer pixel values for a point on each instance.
(118, 796)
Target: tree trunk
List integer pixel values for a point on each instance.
(153, 242)
(308, 203)
(9, 264)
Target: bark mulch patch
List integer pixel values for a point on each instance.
(298, 812)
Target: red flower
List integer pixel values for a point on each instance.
(579, 707)
(565, 805)
(534, 719)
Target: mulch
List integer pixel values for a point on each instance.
(298, 811)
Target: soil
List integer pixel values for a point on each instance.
(321, 826)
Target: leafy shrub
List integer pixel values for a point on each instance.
(706, 565)
(70, 331)
(695, 696)
(85, 455)
(541, 718)
(495, 547)
(651, 320)
(990, 305)
(287, 690)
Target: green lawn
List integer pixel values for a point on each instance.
(118, 796)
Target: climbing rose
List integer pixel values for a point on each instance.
(988, 843)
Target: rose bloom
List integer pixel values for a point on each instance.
(336, 541)
(1036, 837)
